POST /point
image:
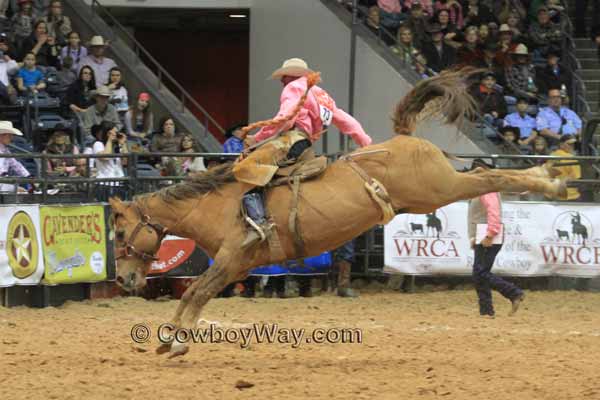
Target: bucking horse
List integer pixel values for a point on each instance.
(331, 208)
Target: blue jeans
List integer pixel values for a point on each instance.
(345, 252)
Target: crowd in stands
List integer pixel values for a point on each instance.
(47, 65)
(523, 95)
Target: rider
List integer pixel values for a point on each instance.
(300, 129)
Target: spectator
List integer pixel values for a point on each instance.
(40, 8)
(477, 13)
(59, 25)
(30, 78)
(22, 23)
(8, 94)
(42, 45)
(417, 24)
(101, 111)
(491, 103)
(543, 33)
(168, 140)
(516, 26)
(570, 172)
(442, 17)
(489, 61)
(426, 6)
(553, 74)
(191, 164)
(504, 8)
(96, 60)
(469, 52)
(109, 141)
(9, 166)
(595, 36)
(506, 46)
(522, 121)
(74, 49)
(405, 47)
(65, 77)
(539, 148)
(520, 76)
(3, 8)
(438, 54)
(510, 145)
(420, 66)
(390, 15)
(484, 33)
(119, 93)
(139, 120)
(234, 142)
(534, 6)
(59, 144)
(79, 94)
(454, 10)
(555, 121)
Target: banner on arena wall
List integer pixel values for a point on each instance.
(74, 243)
(20, 246)
(179, 257)
(541, 239)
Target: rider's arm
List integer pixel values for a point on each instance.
(348, 125)
(290, 97)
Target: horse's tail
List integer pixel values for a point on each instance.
(445, 94)
(313, 79)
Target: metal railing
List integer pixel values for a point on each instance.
(164, 78)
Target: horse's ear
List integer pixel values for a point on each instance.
(117, 205)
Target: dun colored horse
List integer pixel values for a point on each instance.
(333, 208)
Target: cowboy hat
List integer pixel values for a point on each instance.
(505, 28)
(103, 91)
(520, 50)
(292, 67)
(7, 127)
(97, 41)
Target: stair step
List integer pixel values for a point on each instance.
(584, 43)
(586, 53)
(589, 63)
(589, 74)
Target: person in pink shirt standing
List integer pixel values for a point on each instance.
(487, 209)
(304, 114)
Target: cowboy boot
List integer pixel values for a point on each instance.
(256, 218)
(344, 289)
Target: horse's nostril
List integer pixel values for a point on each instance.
(120, 280)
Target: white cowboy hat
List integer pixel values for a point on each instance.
(102, 91)
(521, 50)
(292, 67)
(505, 28)
(7, 127)
(97, 41)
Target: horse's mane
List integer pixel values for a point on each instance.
(198, 184)
(444, 95)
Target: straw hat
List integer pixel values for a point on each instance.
(521, 50)
(7, 127)
(103, 91)
(97, 41)
(292, 67)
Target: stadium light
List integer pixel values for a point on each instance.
(237, 16)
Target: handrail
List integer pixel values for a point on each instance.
(162, 72)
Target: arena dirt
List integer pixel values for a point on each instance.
(415, 346)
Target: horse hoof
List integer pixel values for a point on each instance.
(178, 350)
(163, 348)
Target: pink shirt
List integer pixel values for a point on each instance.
(318, 112)
(491, 202)
(390, 6)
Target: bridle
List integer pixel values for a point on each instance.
(129, 249)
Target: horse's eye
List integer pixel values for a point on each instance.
(120, 236)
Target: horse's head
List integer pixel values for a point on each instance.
(137, 241)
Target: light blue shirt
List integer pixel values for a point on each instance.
(547, 118)
(525, 124)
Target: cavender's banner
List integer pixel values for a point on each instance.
(541, 239)
(20, 247)
(74, 242)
